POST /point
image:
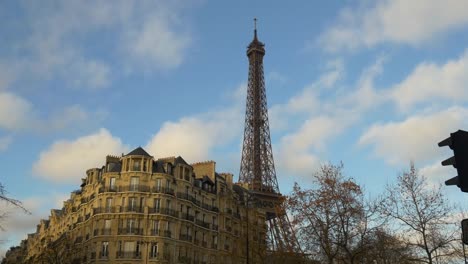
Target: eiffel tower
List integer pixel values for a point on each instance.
(257, 170)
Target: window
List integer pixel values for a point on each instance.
(132, 204)
(132, 226)
(105, 249)
(168, 184)
(136, 165)
(155, 227)
(134, 182)
(158, 185)
(157, 205)
(108, 205)
(168, 204)
(144, 165)
(154, 250)
(112, 184)
(137, 248)
(107, 223)
(129, 246)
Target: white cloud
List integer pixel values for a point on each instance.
(397, 21)
(308, 101)
(71, 117)
(416, 137)
(92, 73)
(15, 111)
(430, 81)
(58, 41)
(18, 114)
(298, 151)
(194, 138)
(323, 117)
(156, 43)
(67, 161)
(436, 173)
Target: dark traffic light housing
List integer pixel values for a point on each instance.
(458, 142)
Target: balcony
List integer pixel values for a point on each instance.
(215, 227)
(134, 188)
(78, 239)
(236, 215)
(195, 201)
(164, 211)
(128, 255)
(185, 260)
(130, 231)
(171, 212)
(108, 189)
(106, 231)
(155, 232)
(184, 196)
(167, 233)
(202, 224)
(188, 217)
(160, 189)
(185, 237)
(206, 206)
(103, 210)
(133, 209)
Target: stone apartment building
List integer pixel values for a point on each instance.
(138, 209)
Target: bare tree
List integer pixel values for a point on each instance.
(422, 216)
(333, 220)
(9, 201)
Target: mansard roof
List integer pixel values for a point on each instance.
(139, 152)
(179, 159)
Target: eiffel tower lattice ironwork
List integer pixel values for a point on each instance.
(257, 169)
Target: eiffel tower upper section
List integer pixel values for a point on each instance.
(257, 166)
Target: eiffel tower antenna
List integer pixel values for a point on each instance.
(257, 169)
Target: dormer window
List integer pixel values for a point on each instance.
(136, 165)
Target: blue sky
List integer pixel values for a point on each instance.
(374, 84)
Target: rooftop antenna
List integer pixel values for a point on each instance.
(255, 27)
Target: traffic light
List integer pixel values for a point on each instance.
(458, 142)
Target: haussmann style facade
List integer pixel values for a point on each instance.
(138, 209)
